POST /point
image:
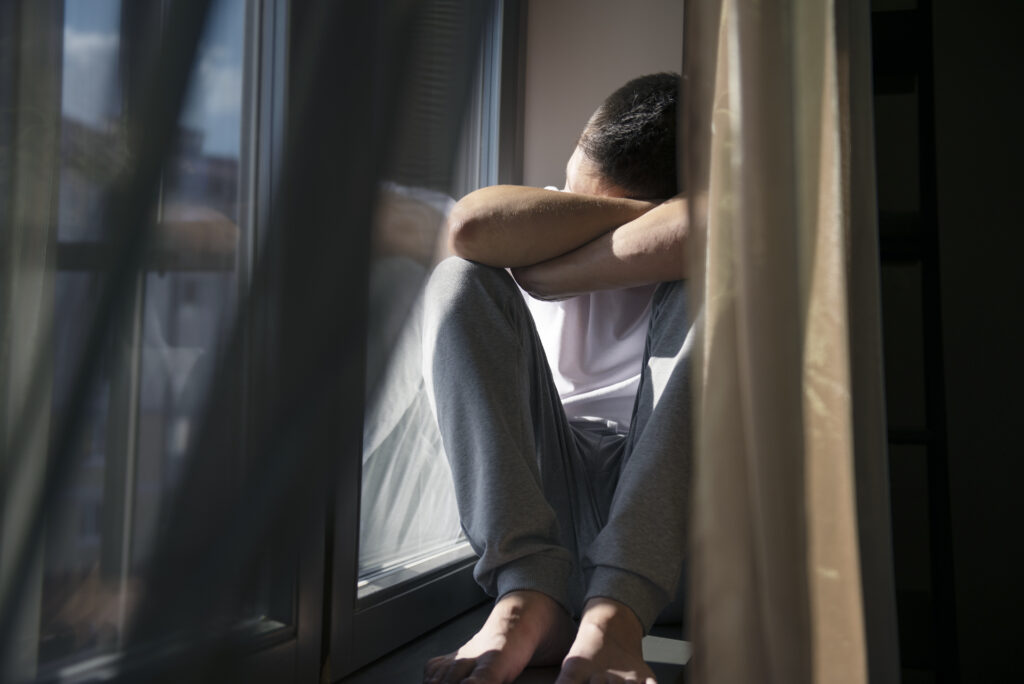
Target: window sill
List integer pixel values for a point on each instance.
(664, 652)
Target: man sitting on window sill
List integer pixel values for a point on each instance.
(565, 414)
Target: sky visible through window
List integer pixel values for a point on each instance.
(90, 95)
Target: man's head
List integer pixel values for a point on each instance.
(630, 141)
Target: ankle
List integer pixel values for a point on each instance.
(526, 609)
(614, 619)
(529, 600)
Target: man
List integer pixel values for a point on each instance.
(569, 459)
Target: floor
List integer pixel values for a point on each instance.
(663, 650)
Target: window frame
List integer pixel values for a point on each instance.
(293, 653)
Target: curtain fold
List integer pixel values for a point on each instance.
(30, 75)
(790, 415)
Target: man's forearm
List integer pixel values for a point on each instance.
(512, 226)
(649, 249)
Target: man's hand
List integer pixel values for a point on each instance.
(649, 249)
(512, 226)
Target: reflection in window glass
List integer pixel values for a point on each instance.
(82, 590)
(142, 415)
(191, 288)
(92, 150)
(409, 522)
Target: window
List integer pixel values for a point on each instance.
(145, 395)
(190, 369)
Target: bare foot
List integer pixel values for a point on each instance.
(524, 628)
(608, 647)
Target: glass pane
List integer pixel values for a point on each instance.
(83, 588)
(409, 523)
(143, 415)
(192, 284)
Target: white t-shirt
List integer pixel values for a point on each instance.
(595, 347)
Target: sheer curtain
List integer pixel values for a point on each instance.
(29, 143)
(790, 545)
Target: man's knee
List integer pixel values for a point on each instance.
(455, 272)
(457, 284)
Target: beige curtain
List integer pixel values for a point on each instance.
(791, 576)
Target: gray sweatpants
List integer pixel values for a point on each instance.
(569, 509)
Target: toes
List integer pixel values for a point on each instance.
(483, 674)
(434, 664)
(447, 669)
(577, 671)
(435, 668)
(459, 671)
(430, 671)
(565, 677)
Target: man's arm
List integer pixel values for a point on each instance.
(510, 225)
(649, 249)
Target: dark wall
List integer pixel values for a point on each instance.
(979, 74)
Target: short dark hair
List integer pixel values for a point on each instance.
(632, 137)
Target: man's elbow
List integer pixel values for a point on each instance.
(470, 236)
(533, 280)
(463, 229)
